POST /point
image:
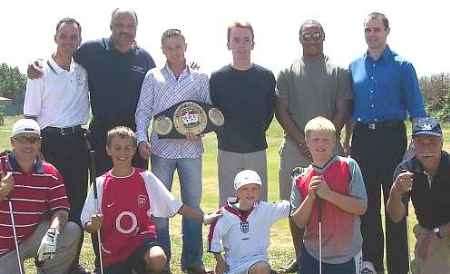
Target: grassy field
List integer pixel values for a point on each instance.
(281, 250)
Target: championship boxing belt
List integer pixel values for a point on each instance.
(187, 117)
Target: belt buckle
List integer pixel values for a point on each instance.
(372, 126)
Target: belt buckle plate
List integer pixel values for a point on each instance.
(372, 126)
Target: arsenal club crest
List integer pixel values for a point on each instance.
(141, 200)
(244, 227)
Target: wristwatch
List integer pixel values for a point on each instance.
(437, 232)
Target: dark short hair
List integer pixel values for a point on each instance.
(171, 33)
(378, 15)
(68, 20)
(119, 10)
(237, 24)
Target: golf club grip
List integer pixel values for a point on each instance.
(319, 209)
(4, 170)
(92, 169)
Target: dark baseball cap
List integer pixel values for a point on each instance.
(426, 126)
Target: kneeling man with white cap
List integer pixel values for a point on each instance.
(33, 208)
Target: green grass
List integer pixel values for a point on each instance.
(281, 250)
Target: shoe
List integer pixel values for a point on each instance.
(78, 269)
(198, 269)
(291, 267)
(368, 268)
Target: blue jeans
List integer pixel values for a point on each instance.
(190, 174)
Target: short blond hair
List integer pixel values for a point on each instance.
(121, 132)
(320, 124)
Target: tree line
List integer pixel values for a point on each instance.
(435, 88)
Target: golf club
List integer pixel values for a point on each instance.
(11, 214)
(319, 217)
(16, 241)
(94, 187)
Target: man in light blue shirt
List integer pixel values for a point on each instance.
(385, 92)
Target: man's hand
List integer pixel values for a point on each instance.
(6, 184)
(36, 69)
(425, 244)
(95, 223)
(303, 149)
(221, 265)
(47, 249)
(194, 65)
(211, 217)
(144, 150)
(192, 137)
(347, 149)
(403, 182)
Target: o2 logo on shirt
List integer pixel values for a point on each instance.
(126, 222)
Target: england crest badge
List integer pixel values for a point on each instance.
(244, 227)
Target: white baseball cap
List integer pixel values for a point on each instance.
(23, 126)
(246, 177)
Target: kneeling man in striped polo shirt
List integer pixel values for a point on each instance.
(33, 208)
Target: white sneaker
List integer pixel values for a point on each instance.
(368, 268)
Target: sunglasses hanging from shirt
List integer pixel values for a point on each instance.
(187, 117)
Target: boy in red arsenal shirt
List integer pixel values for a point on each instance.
(128, 197)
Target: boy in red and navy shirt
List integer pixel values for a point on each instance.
(329, 192)
(127, 199)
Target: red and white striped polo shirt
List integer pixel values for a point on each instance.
(35, 197)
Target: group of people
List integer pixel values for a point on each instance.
(334, 201)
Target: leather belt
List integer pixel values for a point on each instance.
(63, 131)
(380, 125)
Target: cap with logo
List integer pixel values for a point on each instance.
(426, 126)
(25, 126)
(246, 177)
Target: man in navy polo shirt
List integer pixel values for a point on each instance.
(385, 90)
(116, 67)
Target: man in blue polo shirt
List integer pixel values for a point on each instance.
(385, 91)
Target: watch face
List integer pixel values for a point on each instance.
(437, 231)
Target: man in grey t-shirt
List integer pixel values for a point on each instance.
(309, 87)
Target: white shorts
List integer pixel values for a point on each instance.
(244, 268)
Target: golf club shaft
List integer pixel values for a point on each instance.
(92, 177)
(16, 240)
(319, 217)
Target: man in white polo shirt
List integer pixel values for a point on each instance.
(60, 104)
